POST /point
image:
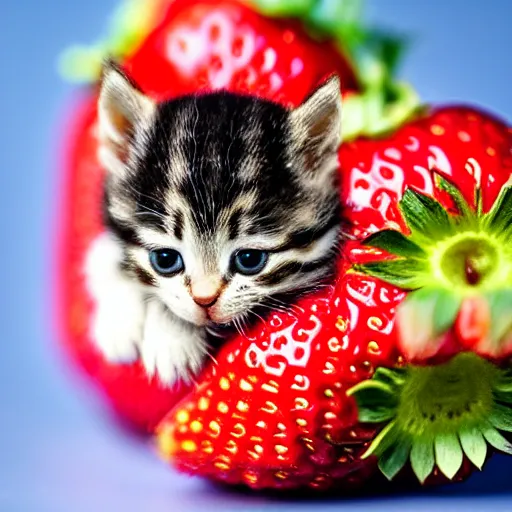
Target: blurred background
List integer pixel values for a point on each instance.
(57, 451)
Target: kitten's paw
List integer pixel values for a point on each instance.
(117, 335)
(118, 321)
(171, 349)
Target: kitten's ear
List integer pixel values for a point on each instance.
(122, 109)
(316, 127)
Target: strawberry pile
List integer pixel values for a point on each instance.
(400, 367)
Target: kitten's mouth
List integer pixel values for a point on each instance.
(214, 318)
(220, 329)
(216, 321)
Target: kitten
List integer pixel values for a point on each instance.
(214, 204)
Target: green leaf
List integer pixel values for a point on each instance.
(505, 382)
(383, 440)
(377, 414)
(494, 438)
(478, 200)
(415, 320)
(501, 417)
(395, 243)
(376, 401)
(293, 8)
(500, 304)
(446, 308)
(466, 213)
(449, 455)
(422, 458)
(426, 218)
(394, 458)
(474, 445)
(499, 218)
(503, 396)
(392, 49)
(342, 19)
(371, 385)
(394, 378)
(424, 315)
(408, 274)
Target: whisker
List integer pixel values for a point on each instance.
(256, 315)
(210, 356)
(244, 320)
(215, 332)
(281, 309)
(286, 305)
(238, 326)
(190, 380)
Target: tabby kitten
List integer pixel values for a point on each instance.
(214, 205)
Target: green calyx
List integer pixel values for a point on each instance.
(434, 416)
(369, 114)
(381, 105)
(448, 258)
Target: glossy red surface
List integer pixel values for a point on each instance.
(206, 44)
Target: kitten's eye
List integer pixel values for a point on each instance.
(250, 261)
(166, 261)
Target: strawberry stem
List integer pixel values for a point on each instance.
(472, 274)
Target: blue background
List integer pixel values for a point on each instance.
(58, 452)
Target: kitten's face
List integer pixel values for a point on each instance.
(222, 202)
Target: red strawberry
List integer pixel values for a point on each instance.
(213, 45)
(273, 413)
(279, 49)
(299, 400)
(230, 45)
(280, 61)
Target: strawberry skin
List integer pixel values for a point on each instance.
(377, 171)
(274, 412)
(206, 44)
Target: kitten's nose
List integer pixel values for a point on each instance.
(205, 292)
(206, 301)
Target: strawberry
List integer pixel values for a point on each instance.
(229, 45)
(338, 388)
(280, 60)
(273, 412)
(279, 49)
